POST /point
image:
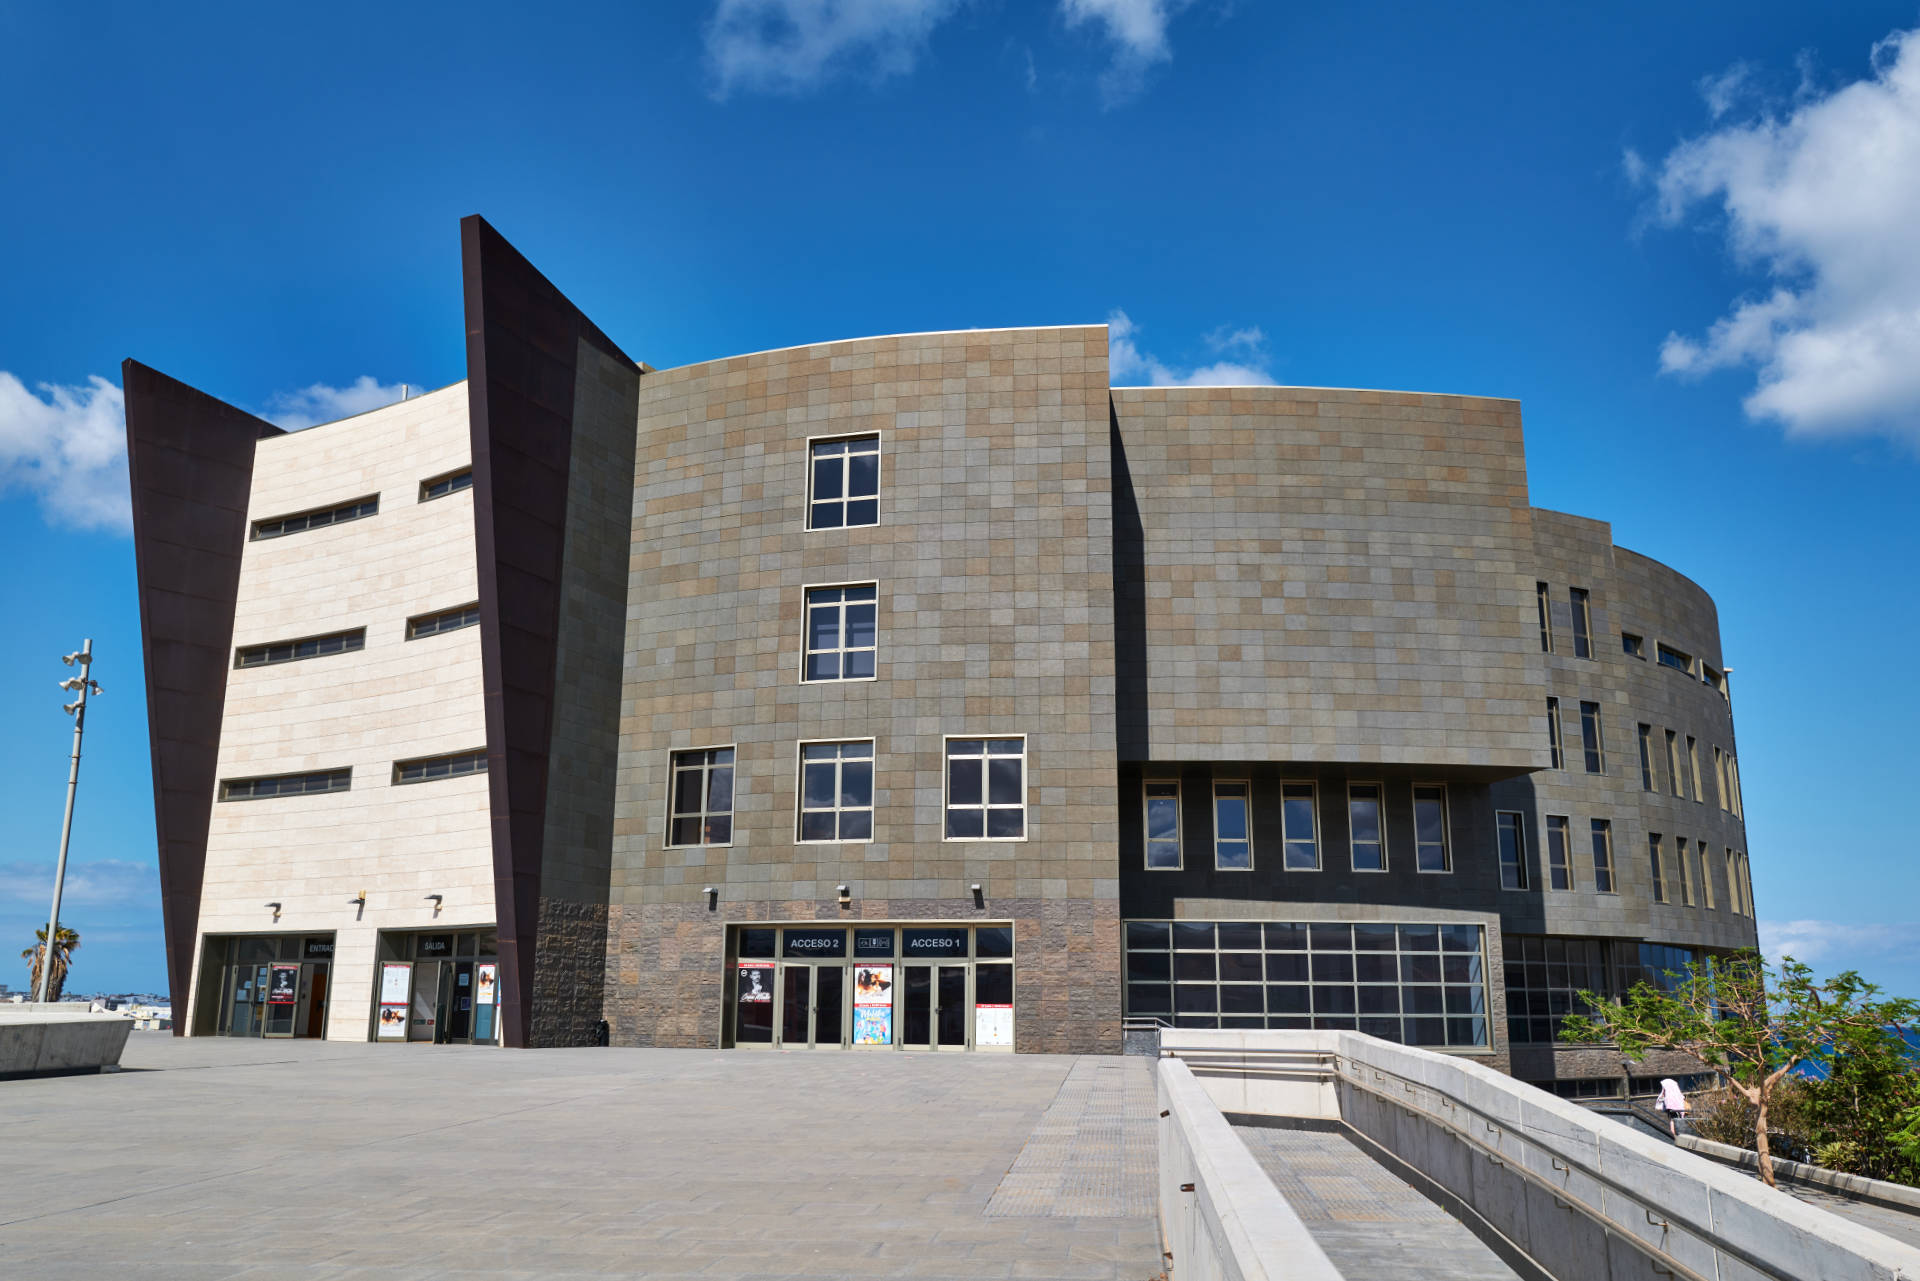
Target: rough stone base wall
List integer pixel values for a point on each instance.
(665, 982)
(569, 983)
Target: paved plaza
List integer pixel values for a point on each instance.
(311, 1160)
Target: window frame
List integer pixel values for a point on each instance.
(879, 479)
(1554, 735)
(1287, 839)
(444, 478)
(1147, 841)
(1644, 733)
(1693, 770)
(1708, 899)
(1562, 826)
(1543, 594)
(806, 632)
(1600, 834)
(1663, 653)
(333, 510)
(353, 640)
(1380, 822)
(475, 759)
(1446, 830)
(341, 774)
(1214, 814)
(1580, 602)
(1594, 754)
(1633, 646)
(946, 786)
(433, 615)
(1675, 784)
(800, 810)
(673, 777)
(1657, 869)
(1519, 865)
(1686, 871)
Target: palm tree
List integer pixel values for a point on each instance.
(65, 944)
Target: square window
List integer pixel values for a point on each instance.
(836, 791)
(1232, 830)
(1162, 804)
(843, 483)
(986, 789)
(700, 798)
(842, 641)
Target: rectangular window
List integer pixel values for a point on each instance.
(1232, 832)
(1720, 777)
(1733, 776)
(836, 791)
(1368, 833)
(1603, 856)
(700, 800)
(842, 632)
(1633, 646)
(1657, 867)
(1746, 883)
(1685, 860)
(1582, 623)
(1693, 769)
(1545, 977)
(307, 784)
(1734, 899)
(451, 483)
(1646, 758)
(1673, 658)
(1513, 850)
(1430, 828)
(1297, 827)
(430, 769)
(281, 526)
(843, 483)
(446, 620)
(1591, 741)
(1553, 734)
(1708, 897)
(1544, 598)
(1673, 763)
(986, 789)
(347, 642)
(1559, 854)
(1162, 800)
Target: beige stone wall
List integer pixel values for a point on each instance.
(394, 700)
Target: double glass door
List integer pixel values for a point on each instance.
(933, 1009)
(813, 1005)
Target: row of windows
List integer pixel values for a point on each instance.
(1299, 831)
(352, 640)
(1545, 976)
(1682, 769)
(1690, 865)
(339, 513)
(424, 769)
(1580, 608)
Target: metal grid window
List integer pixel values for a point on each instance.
(1657, 868)
(1553, 734)
(1646, 758)
(446, 620)
(451, 483)
(308, 784)
(1414, 984)
(700, 798)
(844, 483)
(1430, 845)
(1232, 828)
(1591, 741)
(1298, 827)
(1559, 852)
(836, 791)
(986, 789)
(842, 632)
(281, 526)
(1162, 813)
(1603, 855)
(1367, 834)
(1582, 622)
(432, 769)
(347, 642)
(1513, 849)
(1545, 977)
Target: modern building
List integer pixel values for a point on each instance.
(917, 692)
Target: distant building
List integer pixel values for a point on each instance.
(925, 691)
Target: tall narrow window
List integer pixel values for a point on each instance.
(1707, 895)
(1646, 758)
(1582, 623)
(1657, 868)
(1297, 827)
(1734, 899)
(1591, 740)
(1430, 828)
(1368, 833)
(844, 483)
(842, 638)
(1603, 855)
(1559, 857)
(1544, 598)
(1673, 764)
(1513, 850)
(1163, 825)
(836, 791)
(701, 798)
(1733, 776)
(1682, 857)
(986, 789)
(1553, 734)
(1232, 834)
(1746, 883)
(1693, 769)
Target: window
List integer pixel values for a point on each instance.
(1582, 623)
(1707, 896)
(451, 483)
(447, 620)
(1693, 769)
(1633, 646)
(1685, 861)
(844, 480)
(1430, 828)
(1733, 776)
(700, 802)
(1232, 835)
(1734, 898)
(1659, 870)
(1559, 858)
(281, 526)
(1673, 658)
(1542, 596)
(836, 791)
(1367, 834)
(841, 633)
(1297, 827)
(258, 789)
(1545, 977)
(1746, 883)
(1553, 734)
(433, 768)
(291, 651)
(1590, 739)
(986, 789)
(1673, 763)
(1720, 777)
(1717, 679)
(1646, 758)
(1162, 801)
(1603, 855)
(1513, 851)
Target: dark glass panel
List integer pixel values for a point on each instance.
(1191, 935)
(1419, 938)
(1379, 1000)
(1338, 937)
(1149, 998)
(1422, 1000)
(1148, 965)
(1332, 967)
(1237, 998)
(1373, 938)
(1240, 967)
(1290, 999)
(856, 825)
(1006, 824)
(1287, 967)
(1194, 965)
(1286, 937)
(756, 943)
(1239, 936)
(965, 823)
(1195, 998)
(1332, 1000)
(963, 782)
(1147, 934)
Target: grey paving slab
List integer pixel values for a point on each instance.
(1901, 1225)
(1092, 1155)
(325, 1161)
(1370, 1222)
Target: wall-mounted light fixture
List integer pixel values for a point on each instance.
(436, 900)
(713, 898)
(276, 910)
(360, 898)
(846, 896)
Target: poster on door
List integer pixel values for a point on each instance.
(284, 987)
(756, 982)
(484, 984)
(396, 982)
(873, 1005)
(993, 1025)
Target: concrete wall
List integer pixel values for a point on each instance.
(50, 1038)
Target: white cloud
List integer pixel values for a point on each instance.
(1138, 30)
(102, 883)
(1842, 945)
(792, 46)
(1825, 200)
(1723, 92)
(323, 404)
(1128, 365)
(68, 447)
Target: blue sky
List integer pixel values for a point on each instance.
(1682, 236)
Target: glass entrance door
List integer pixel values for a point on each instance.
(951, 999)
(796, 991)
(933, 1007)
(812, 1005)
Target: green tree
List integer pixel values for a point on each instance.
(1855, 1111)
(65, 943)
(1744, 1017)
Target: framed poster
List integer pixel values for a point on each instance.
(284, 987)
(756, 982)
(993, 1025)
(396, 984)
(873, 1005)
(487, 970)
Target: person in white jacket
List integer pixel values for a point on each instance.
(1673, 1103)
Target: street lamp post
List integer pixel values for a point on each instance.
(80, 686)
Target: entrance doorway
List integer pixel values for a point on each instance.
(813, 1008)
(437, 987)
(271, 985)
